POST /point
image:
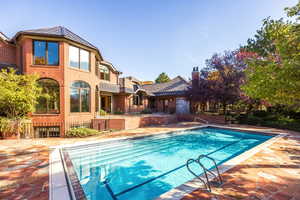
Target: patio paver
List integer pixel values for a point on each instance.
(273, 173)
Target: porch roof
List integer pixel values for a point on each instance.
(108, 87)
(176, 86)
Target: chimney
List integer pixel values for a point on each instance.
(195, 77)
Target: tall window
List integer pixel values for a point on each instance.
(80, 97)
(79, 58)
(137, 99)
(48, 102)
(45, 53)
(104, 73)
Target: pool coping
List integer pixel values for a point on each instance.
(59, 181)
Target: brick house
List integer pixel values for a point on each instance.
(168, 97)
(79, 81)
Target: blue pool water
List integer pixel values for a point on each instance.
(144, 168)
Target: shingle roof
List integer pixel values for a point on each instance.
(176, 86)
(58, 31)
(62, 32)
(108, 87)
(3, 36)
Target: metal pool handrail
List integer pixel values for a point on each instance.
(216, 166)
(205, 170)
(190, 161)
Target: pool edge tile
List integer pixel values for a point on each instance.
(177, 193)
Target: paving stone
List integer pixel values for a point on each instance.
(273, 173)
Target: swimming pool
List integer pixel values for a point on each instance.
(146, 167)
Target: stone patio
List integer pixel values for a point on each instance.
(273, 173)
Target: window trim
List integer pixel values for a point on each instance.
(79, 68)
(46, 64)
(80, 98)
(106, 76)
(138, 101)
(47, 103)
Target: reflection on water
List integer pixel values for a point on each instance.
(146, 168)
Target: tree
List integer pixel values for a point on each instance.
(226, 74)
(273, 74)
(162, 78)
(220, 80)
(18, 95)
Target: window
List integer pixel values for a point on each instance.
(136, 87)
(47, 131)
(137, 99)
(45, 53)
(80, 97)
(48, 102)
(79, 58)
(104, 73)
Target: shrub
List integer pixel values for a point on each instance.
(19, 93)
(5, 126)
(119, 112)
(82, 132)
(274, 120)
(146, 111)
(102, 112)
(261, 113)
(10, 127)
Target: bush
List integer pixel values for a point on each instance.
(5, 126)
(82, 132)
(119, 112)
(102, 112)
(261, 113)
(19, 93)
(270, 119)
(146, 111)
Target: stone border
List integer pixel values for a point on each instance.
(58, 187)
(60, 184)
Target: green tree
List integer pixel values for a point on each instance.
(273, 74)
(18, 94)
(162, 78)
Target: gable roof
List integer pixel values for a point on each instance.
(176, 86)
(3, 37)
(106, 63)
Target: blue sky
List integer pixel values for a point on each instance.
(145, 37)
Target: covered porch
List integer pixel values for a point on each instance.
(106, 95)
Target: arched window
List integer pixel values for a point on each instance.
(80, 97)
(48, 102)
(104, 73)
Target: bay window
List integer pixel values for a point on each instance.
(79, 58)
(45, 53)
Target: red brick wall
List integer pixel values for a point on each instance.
(7, 53)
(215, 119)
(124, 103)
(157, 120)
(108, 124)
(171, 105)
(119, 103)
